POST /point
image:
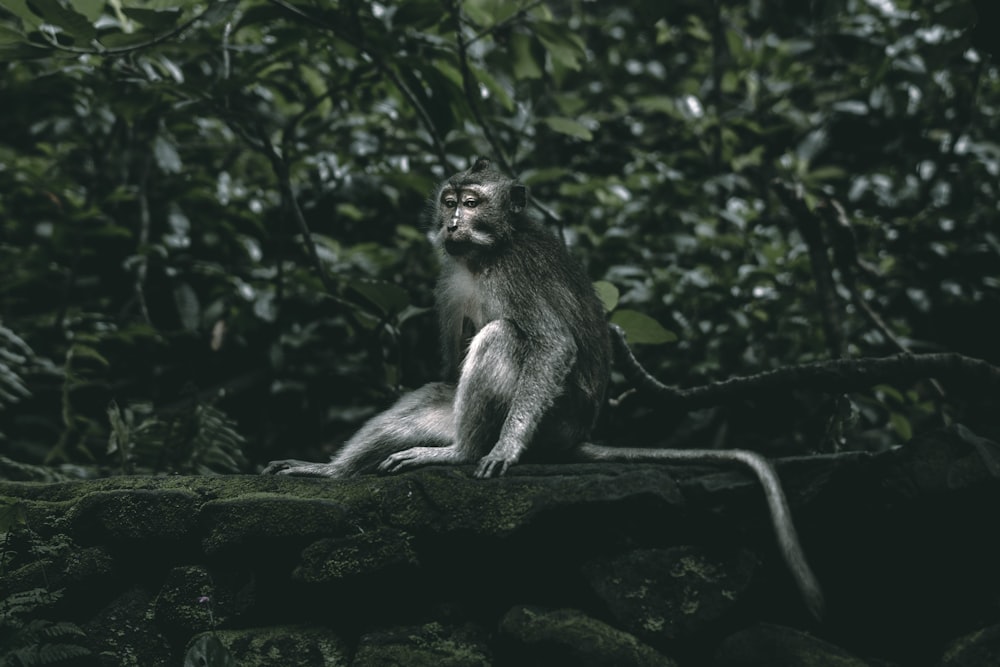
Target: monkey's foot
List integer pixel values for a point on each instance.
(420, 456)
(295, 468)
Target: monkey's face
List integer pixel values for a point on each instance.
(477, 212)
(467, 219)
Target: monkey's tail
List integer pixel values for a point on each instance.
(634, 371)
(781, 516)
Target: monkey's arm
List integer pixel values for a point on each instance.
(781, 515)
(544, 367)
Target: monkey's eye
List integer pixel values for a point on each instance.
(450, 203)
(470, 203)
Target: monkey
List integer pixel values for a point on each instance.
(527, 360)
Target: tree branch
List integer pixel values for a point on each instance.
(831, 377)
(826, 292)
(291, 204)
(142, 249)
(101, 50)
(471, 92)
(845, 254)
(382, 66)
(510, 20)
(472, 95)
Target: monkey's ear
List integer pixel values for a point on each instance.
(518, 197)
(482, 164)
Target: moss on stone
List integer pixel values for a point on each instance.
(570, 637)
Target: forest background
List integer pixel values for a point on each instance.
(213, 254)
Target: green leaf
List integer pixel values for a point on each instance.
(119, 435)
(487, 12)
(13, 52)
(155, 20)
(642, 329)
(525, 64)
(387, 297)
(607, 293)
(568, 127)
(188, 306)
(563, 45)
(80, 351)
(20, 9)
(890, 391)
(74, 23)
(417, 14)
(11, 514)
(545, 175)
(828, 173)
(8, 36)
(121, 40)
(658, 103)
(350, 211)
(497, 90)
(901, 425)
(167, 158)
(218, 11)
(91, 9)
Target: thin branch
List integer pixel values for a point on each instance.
(291, 204)
(101, 50)
(472, 95)
(383, 67)
(831, 377)
(145, 223)
(471, 89)
(826, 292)
(718, 46)
(845, 241)
(519, 15)
(845, 254)
(226, 67)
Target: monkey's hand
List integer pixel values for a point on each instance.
(496, 463)
(421, 456)
(295, 468)
(491, 467)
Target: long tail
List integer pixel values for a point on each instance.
(781, 516)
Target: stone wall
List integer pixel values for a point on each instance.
(624, 564)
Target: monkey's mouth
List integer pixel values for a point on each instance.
(458, 248)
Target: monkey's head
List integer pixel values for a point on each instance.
(477, 210)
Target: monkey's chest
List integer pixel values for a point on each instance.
(475, 309)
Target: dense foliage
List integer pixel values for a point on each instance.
(210, 213)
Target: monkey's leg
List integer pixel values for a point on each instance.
(523, 379)
(442, 450)
(487, 381)
(781, 515)
(422, 417)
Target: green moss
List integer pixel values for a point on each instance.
(136, 514)
(331, 560)
(178, 607)
(489, 507)
(430, 645)
(568, 636)
(284, 645)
